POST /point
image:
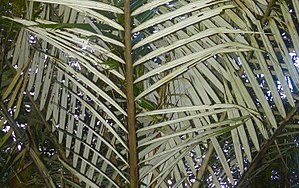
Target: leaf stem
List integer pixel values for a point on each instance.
(268, 11)
(204, 166)
(130, 98)
(246, 176)
(34, 157)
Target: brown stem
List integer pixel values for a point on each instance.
(268, 11)
(18, 131)
(130, 99)
(41, 168)
(34, 157)
(204, 166)
(281, 125)
(60, 150)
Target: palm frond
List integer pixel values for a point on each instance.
(217, 71)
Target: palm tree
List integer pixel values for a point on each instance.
(154, 93)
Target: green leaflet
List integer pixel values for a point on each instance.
(147, 104)
(111, 63)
